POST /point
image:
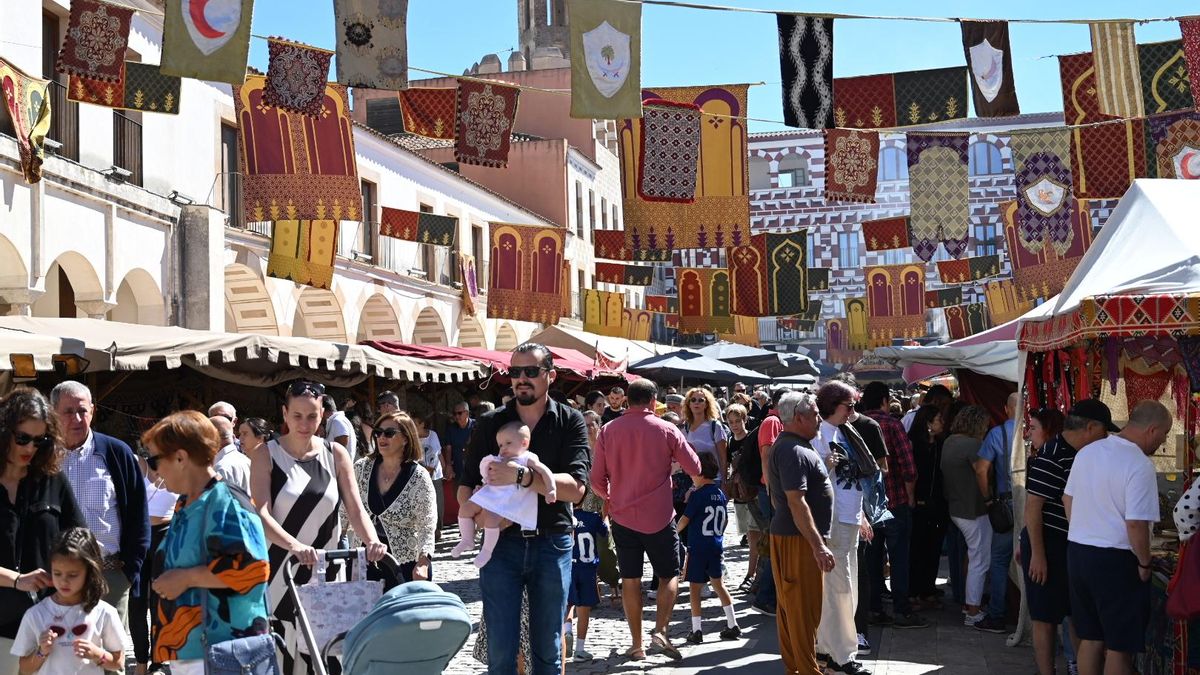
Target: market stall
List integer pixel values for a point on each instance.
(685, 364)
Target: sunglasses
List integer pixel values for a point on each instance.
(697, 400)
(301, 388)
(460, 412)
(386, 433)
(528, 372)
(152, 461)
(43, 442)
(77, 631)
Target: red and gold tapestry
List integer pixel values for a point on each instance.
(303, 251)
(900, 99)
(858, 335)
(670, 151)
(1105, 158)
(610, 244)
(938, 192)
(97, 36)
(429, 111)
(296, 167)
(603, 312)
(837, 342)
(818, 279)
(966, 320)
(662, 304)
(470, 283)
(720, 215)
(1003, 303)
(418, 226)
(745, 331)
(27, 100)
(748, 269)
(525, 276)
(1189, 27)
(704, 300)
(944, 297)
(486, 113)
(628, 275)
(886, 233)
(1174, 142)
(851, 165)
(636, 324)
(895, 302)
(1044, 273)
(968, 269)
(141, 87)
(296, 77)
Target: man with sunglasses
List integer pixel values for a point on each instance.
(537, 561)
(109, 487)
(457, 436)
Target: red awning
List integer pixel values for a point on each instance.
(568, 360)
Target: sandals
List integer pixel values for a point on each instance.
(746, 584)
(635, 654)
(659, 644)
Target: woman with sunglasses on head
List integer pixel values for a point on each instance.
(298, 482)
(37, 506)
(399, 498)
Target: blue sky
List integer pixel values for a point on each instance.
(695, 47)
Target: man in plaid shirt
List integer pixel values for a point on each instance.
(900, 481)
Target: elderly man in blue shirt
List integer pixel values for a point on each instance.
(995, 454)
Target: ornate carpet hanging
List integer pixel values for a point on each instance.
(1003, 304)
(143, 87)
(372, 43)
(303, 251)
(97, 36)
(1044, 273)
(296, 77)
(662, 304)
(720, 215)
(990, 57)
(939, 210)
(210, 46)
(1106, 158)
(1175, 145)
(636, 324)
(487, 112)
(610, 244)
(851, 165)
(895, 302)
(628, 275)
(606, 59)
(704, 301)
(806, 66)
(27, 100)
(429, 111)
(424, 228)
(670, 151)
(859, 336)
(966, 320)
(603, 312)
(837, 342)
(968, 269)
(1118, 80)
(525, 273)
(944, 297)
(886, 233)
(1041, 161)
(470, 282)
(900, 99)
(295, 166)
(787, 285)
(748, 271)
(1190, 28)
(1164, 74)
(818, 279)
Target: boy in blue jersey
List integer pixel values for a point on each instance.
(585, 562)
(704, 519)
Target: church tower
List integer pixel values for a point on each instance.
(542, 32)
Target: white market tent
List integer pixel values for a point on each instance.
(26, 355)
(992, 352)
(614, 348)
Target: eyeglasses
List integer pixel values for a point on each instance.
(43, 442)
(302, 387)
(460, 412)
(528, 372)
(386, 433)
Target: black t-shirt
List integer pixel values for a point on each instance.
(872, 433)
(745, 458)
(559, 440)
(29, 528)
(610, 415)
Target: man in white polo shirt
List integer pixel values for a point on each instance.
(1111, 501)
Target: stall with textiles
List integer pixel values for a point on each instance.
(1126, 329)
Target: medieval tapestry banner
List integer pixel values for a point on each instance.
(818, 279)
(1174, 142)
(748, 270)
(1118, 77)
(859, 336)
(745, 331)
(525, 273)
(303, 251)
(296, 77)
(606, 59)
(28, 102)
(786, 272)
(603, 312)
(667, 160)
(1003, 303)
(143, 87)
(429, 111)
(1166, 84)
(944, 297)
(966, 320)
(895, 302)
(97, 36)
(900, 99)
(1190, 29)
(938, 189)
(1042, 162)
(636, 324)
(470, 283)
(990, 57)
(372, 43)
(1104, 158)
(851, 165)
(1043, 273)
(837, 342)
(886, 233)
(806, 66)
(207, 39)
(704, 301)
(628, 275)
(423, 228)
(662, 304)
(968, 269)
(486, 113)
(610, 244)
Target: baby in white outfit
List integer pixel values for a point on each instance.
(502, 505)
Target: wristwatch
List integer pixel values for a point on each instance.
(520, 476)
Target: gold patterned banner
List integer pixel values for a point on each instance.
(1003, 303)
(603, 312)
(637, 324)
(303, 251)
(704, 305)
(745, 331)
(1118, 77)
(525, 273)
(858, 335)
(28, 103)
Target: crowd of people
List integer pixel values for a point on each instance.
(847, 500)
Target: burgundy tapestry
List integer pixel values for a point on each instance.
(851, 165)
(670, 151)
(296, 77)
(1044, 273)
(704, 301)
(487, 112)
(429, 111)
(610, 244)
(525, 273)
(886, 234)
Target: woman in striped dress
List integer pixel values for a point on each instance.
(298, 482)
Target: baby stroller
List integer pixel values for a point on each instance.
(413, 628)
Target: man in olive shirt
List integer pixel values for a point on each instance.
(803, 500)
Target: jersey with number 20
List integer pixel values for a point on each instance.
(589, 527)
(707, 513)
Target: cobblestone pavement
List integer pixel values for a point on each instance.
(946, 647)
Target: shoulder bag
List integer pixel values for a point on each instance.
(999, 512)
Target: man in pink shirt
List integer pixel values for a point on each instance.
(631, 468)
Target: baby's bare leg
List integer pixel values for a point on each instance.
(467, 514)
(491, 536)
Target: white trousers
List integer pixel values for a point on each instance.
(836, 635)
(9, 664)
(978, 533)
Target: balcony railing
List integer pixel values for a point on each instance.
(64, 121)
(127, 145)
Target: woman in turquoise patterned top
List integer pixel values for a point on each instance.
(215, 542)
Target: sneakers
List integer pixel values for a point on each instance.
(969, 620)
(583, 657)
(849, 667)
(731, 633)
(909, 621)
(695, 637)
(659, 644)
(864, 647)
(990, 625)
(880, 619)
(652, 595)
(763, 609)
(706, 592)
(1072, 668)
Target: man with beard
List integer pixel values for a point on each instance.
(534, 561)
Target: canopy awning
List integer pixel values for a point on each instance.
(614, 348)
(260, 360)
(564, 359)
(26, 354)
(686, 363)
(992, 352)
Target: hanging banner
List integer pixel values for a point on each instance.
(603, 312)
(636, 324)
(28, 102)
(745, 331)
(606, 59)
(900, 99)
(818, 279)
(207, 39)
(886, 234)
(1174, 145)
(372, 43)
(423, 228)
(610, 244)
(1043, 273)
(96, 40)
(142, 87)
(670, 150)
(429, 111)
(748, 270)
(662, 304)
(486, 113)
(1045, 200)
(525, 273)
(989, 55)
(470, 283)
(1166, 85)
(303, 251)
(859, 336)
(1003, 304)
(851, 165)
(939, 209)
(1118, 77)
(966, 320)
(296, 77)
(704, 301)
(806, 67)
(628, 275)
(944, 297)
(1104, 158)
(1190, 29)
(837, 342)
(968, 269)
(808, 320)
(895, 302)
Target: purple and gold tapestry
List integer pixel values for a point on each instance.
(1041, 160)
(1043, 273)
(895, 302)
(938, 189)
(525, 273)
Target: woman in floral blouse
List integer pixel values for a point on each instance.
(399, 498)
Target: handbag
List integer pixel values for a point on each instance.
(1183, 593)
(333, 608)
(999, 511)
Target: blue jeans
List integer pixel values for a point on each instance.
(542, 565)
(1002, 555)
(766, 580)
(894, 535)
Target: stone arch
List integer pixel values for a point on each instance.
(248, 307)
(378, 321)
(470, 333)
(139, 300)
(429, 329)
(985, 159)
(13, 273)
(73, 289)
(760, 173)
(319, 316)
(506, 338)
(794, 169)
